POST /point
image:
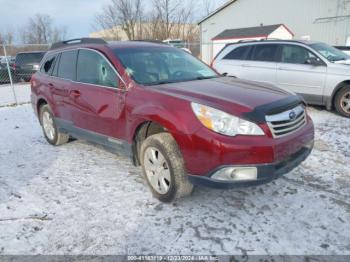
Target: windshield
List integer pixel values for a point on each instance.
(329, 52)
(155, 65)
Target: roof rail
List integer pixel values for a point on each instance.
(149, 41)
(78, 41)
(248, 40)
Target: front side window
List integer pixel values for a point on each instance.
(160, 65)
(93, 68)
(330, 53)
(239, 53)
(265, 53)
(294, 54)
(67, 65)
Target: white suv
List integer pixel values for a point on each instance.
(318, 72)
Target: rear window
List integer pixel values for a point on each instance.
(239, 53)
(48, 64)
(265, 53)
(29, 58)
(67, 65)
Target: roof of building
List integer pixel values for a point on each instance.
(217, 10)
(249, 32)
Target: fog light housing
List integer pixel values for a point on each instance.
(236, 174)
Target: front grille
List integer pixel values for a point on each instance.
(287, 122)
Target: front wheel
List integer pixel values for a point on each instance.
(342, 101)
(163, 168)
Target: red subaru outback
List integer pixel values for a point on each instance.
(171, 113)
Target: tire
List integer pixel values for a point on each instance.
(163, 168)
(342, 101)
(55, 138)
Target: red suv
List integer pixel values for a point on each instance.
(171, 113)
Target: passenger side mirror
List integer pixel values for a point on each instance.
(315, 61)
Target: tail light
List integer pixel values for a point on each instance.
(14, 67)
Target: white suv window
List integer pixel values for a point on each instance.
(294, 54)
(239, 53)
(265, 52)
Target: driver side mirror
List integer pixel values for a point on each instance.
(315, 61)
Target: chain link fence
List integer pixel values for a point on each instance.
(17, 64)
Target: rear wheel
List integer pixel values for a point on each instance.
(163, 168)
(342, 101)
(51, 133)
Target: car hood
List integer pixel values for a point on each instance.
(224, 92)
(343, 62)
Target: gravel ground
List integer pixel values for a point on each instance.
(80, 199)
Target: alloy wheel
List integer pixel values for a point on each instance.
(345, 102)
(157, 170)
(48, 125)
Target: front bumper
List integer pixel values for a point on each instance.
(266, 172)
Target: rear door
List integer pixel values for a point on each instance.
(63, 74)
(261, 65)
(96, 100)
(294, 74)
(231, 62)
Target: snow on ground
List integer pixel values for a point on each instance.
(22, 92)
(80, 199)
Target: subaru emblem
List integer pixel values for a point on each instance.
(292, 115)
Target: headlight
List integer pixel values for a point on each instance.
(224, 123)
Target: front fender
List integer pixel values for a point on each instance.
(174, 120)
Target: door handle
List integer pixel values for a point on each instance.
(282, 68)
(245, 65)
(74, 93)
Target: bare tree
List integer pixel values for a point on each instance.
(208, 6)
(40, 30)
(126, 14)
(6, 37)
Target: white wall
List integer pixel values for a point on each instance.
(298, 15)
(281, 33)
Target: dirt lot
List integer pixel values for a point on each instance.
(81, 199)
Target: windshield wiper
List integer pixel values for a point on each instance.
(205, 77)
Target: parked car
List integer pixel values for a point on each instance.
(4, 74)
(345, 49)
(318, 72)
(26, 64)
(177, 43)
(171, 113)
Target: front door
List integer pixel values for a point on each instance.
(97, 101)
(294, 74)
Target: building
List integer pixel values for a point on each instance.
(322, 20)
(151, 31)
(278, 31)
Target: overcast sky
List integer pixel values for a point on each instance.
(76, 15)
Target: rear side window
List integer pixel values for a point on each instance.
(93, 68)
(240, 53)
(48, 65)
(265, 53)
(29, 58)
(67, 65)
